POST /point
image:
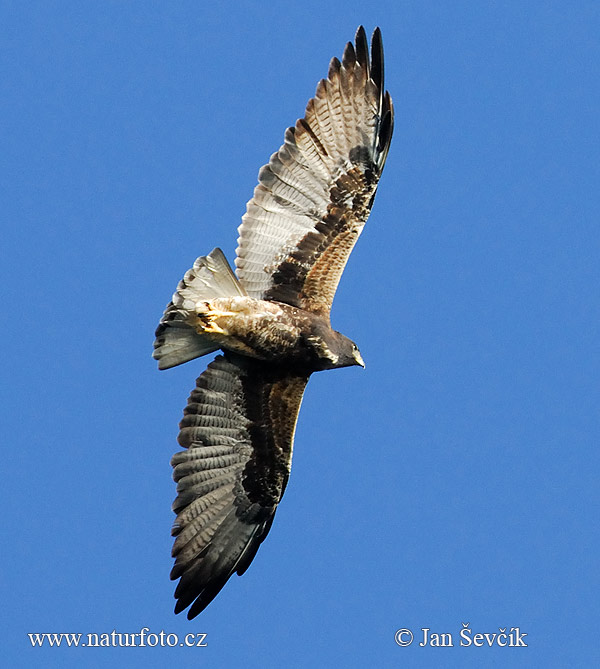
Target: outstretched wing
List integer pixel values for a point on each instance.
(316, 192)
(238, 431)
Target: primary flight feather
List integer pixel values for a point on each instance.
(271, 321)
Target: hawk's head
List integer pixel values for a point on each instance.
(333, 350)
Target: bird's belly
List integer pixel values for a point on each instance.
(258, 328)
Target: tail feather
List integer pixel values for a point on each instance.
(176, 338)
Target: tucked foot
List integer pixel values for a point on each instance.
(208, 316)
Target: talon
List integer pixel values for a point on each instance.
(208, 317)
(213, 313)
(213, 328)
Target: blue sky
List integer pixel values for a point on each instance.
(455, 478)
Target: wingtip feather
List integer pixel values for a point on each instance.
(362, 48)
(349, 56)
(334, 68)
(377, 69)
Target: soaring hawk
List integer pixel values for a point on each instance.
(271, 321)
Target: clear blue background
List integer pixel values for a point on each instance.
(455, 479)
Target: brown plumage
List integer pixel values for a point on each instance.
(271, 322)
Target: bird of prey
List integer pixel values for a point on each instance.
(271, 321)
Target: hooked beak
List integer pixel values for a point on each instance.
(358, 359)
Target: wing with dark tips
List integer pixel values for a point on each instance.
(316, 192)
(238, 431)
